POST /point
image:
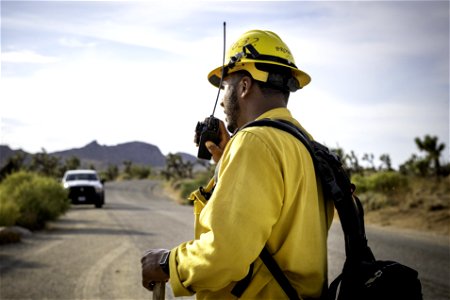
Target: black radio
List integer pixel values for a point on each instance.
(207, 130)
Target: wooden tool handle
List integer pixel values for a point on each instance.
(159, 291)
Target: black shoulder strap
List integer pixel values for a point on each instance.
(278, 274)
(329, 169)
(335, 184)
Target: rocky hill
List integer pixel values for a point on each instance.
(137, 152)
(101, 156)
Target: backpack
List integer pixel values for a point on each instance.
(362, 277)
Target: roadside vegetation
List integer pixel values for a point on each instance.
(29, 200)
(415, 196)
(31, 193)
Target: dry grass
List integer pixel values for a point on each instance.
(424, 207)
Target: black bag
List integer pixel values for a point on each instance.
(387, 280)
(363, 277)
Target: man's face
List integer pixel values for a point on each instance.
(230, 103)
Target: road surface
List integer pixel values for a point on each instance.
(95, 253)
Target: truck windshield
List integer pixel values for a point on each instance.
(81, 176)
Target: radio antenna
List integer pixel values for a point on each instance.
(223, 67)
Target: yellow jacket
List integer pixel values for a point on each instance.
(266, 193)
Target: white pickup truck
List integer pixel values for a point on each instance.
(84, 187)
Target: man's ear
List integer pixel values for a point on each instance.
(245, 85)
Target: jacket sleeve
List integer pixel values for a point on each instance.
(237, 220)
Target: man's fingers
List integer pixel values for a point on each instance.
(211, 146)
(215, 150)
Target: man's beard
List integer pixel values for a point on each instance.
(232, 109)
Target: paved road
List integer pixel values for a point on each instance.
(95, 253)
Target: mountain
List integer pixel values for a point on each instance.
(6, 152)
(138, 153)
(101, 156)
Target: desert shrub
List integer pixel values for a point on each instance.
(374, 201)
(381, 189)
(9, 210)
(187, 186)
(361, 182)
(39, 199)
(382, 182)
(387, 182)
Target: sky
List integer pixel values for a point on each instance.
(119, 71)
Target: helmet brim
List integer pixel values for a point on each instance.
(249, 65)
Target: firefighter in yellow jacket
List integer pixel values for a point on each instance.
(265, 192)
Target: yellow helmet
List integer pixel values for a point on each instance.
(255, 49)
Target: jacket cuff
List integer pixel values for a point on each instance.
(175, 282)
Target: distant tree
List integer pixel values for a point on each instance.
(72, 163)
(45, 164)
(386, 163)
(127, 169)
(140, 172)
(189, 167)
(430, 145)
(369, 158)
(176, 168)
(343, 157)
(415, 166)
(14, 164)
(355, 167)
(111, 173)
(131, 171)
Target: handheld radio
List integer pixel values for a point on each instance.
(208, 130)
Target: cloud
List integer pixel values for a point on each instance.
(137, 70)
(73, 42)
(27, 56)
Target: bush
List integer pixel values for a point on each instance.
(38, 199)
(381, 189)
(382, 182)
(361, 182)
(9, 210)
(389, 182)
(187, 186)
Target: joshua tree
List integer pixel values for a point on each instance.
(45, 164)
(433, 149)
(386, 162)
(369, 157)
(176, 168)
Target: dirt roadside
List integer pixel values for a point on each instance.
(425, 207)
(430, 222)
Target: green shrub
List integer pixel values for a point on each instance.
(9, 210)
(39, 199)
(389, 182)
(361, 182)
(382, 182)
(381, 189)
(187, 186)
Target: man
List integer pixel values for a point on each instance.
(265, 192)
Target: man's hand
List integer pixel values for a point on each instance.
(217, 150)
(151, 270)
